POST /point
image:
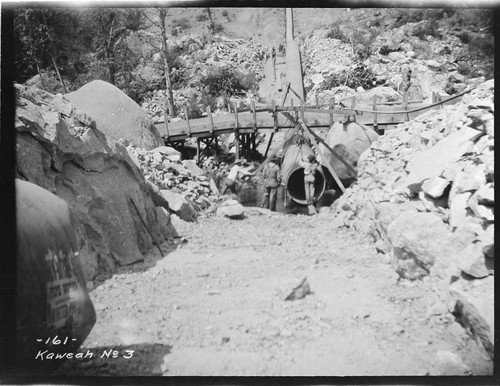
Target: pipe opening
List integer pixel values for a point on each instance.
(296, 189)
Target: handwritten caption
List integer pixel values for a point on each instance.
(110, 353)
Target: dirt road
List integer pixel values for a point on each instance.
(215, 306)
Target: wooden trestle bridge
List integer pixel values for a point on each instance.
(246, 123)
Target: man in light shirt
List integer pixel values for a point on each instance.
(233, 176)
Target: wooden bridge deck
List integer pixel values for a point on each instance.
(268, 118)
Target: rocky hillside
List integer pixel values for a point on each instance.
(425, 194)
(61, 149)
(344, 52)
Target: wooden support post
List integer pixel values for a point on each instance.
(332, 106)
(275, 117)
(269, 144)
(210, 119)
(322, 156)
(254, 116)
(254, 142)
(405, 105)
(353, 106)
(375, 125)
(198, 155)
(216, 145)
(166, 126)
(187, 121)
(301, 109)
(236, 144)
(236, 133)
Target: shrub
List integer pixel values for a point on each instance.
(430, 27)
(358, 76)
(217, 28)
(222, 82)
(336, 33)
(201, 17)
(182, 23)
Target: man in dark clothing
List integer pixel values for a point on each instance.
(272, 179)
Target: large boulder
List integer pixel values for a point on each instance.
(432, 162)
(349, 140)
(475, 309)
(422, 244)
(116, 114)
(232, 209)
(60, 149)
(180, 205)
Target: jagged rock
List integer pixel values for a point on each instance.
(486, 195)
(480, 211)
(94, 175)
(179, 205)
(232, 209)
(430, 163)
(387, 212)
(116, 115)
(487, 240)
(193, 168)
(470, 179)
(165, 150)
(383, 94)
(435, 186)
(448, 363)
(472, 261)
(458, 210)
(421, 242)
(475, 310)
(395, 56)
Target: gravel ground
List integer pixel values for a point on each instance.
(214, 305)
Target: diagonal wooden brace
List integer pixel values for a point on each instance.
(274, 152)
(337, 155)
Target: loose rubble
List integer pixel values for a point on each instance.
(425, 189)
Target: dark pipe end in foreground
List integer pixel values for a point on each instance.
(296, 189)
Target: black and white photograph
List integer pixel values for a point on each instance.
(252, 191)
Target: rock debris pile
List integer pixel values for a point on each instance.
(181, 183)
(425, 193)
(434, 64)
(200, 57)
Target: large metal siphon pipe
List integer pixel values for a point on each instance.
(295, 149)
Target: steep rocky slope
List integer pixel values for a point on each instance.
(425, 193)
(62, 150)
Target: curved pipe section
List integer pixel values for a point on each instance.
(294, 150)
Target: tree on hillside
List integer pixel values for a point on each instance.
(75, 45)
(160, 49)
(170, 97)
(42, 40)
(105, 32)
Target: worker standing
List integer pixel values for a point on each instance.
(233, 176)
(272, 179)
(310, 166)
